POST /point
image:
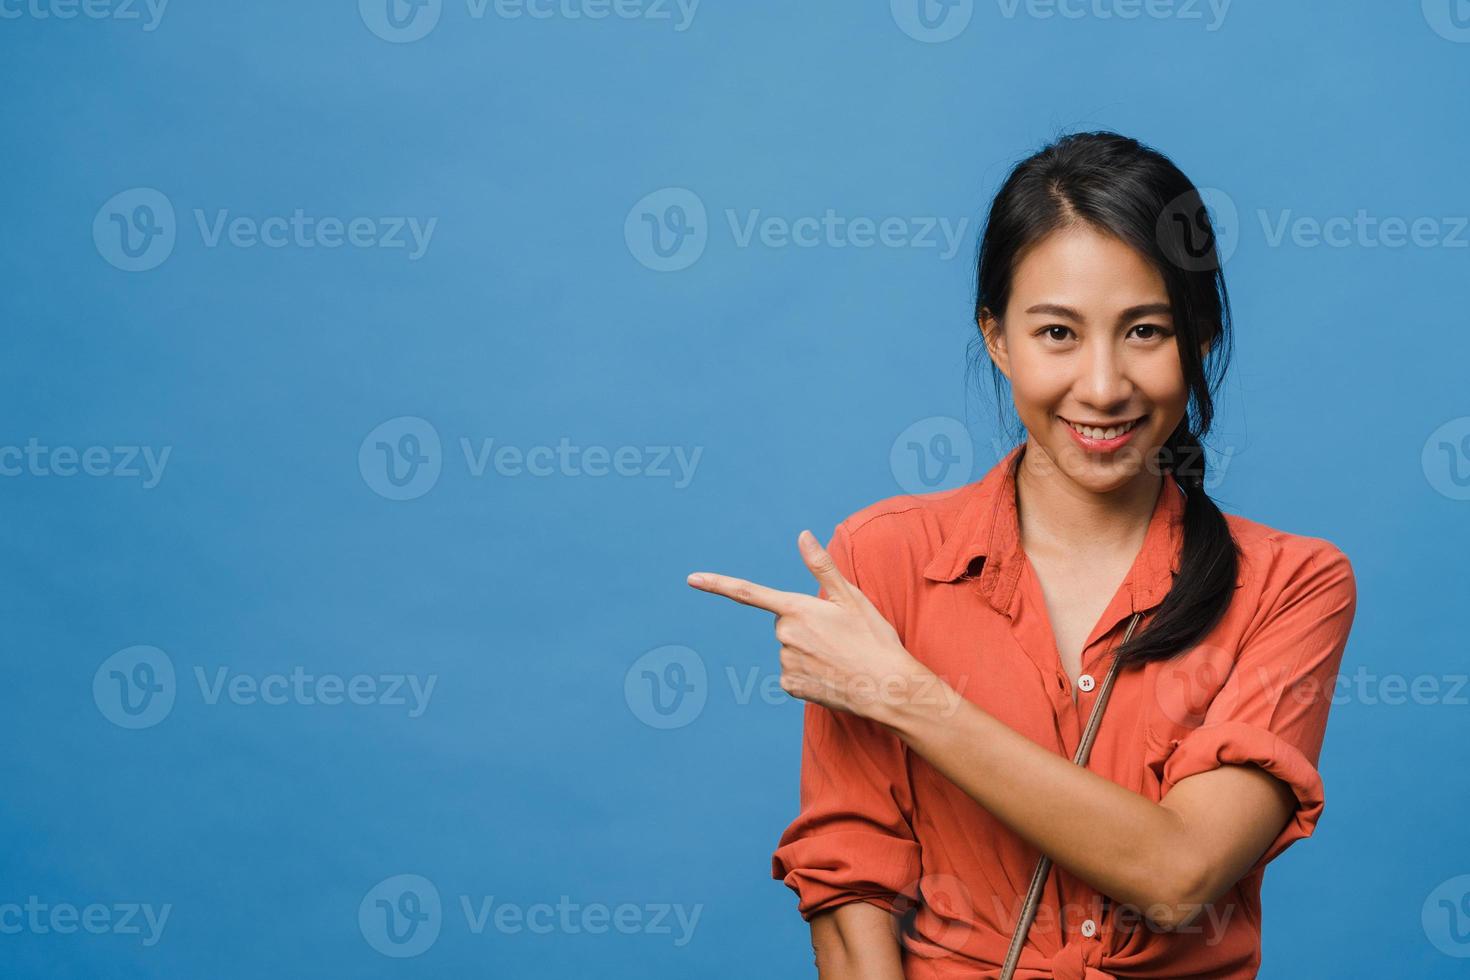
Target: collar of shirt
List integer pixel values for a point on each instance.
(989, 526)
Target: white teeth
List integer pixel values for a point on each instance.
(1110, 433)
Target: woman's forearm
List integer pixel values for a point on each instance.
(857, 941)
(1127, 847)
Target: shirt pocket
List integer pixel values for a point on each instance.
(1179, 694)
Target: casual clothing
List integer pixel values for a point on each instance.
(877, 823)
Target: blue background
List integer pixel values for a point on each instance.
(533, 316)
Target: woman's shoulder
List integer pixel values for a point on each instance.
(907, 516)
(894, 538)
(1273, 560)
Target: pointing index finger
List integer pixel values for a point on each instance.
(742, 591)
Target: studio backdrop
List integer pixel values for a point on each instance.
(374, 373)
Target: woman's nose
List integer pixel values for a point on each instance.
(1103, 381)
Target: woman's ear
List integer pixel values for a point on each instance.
(995, 341)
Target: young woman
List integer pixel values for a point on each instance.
(961, 642)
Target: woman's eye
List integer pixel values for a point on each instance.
(1050, 333)
(1157, 331)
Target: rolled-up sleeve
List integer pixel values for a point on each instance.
(852, 839)
(1272, 710)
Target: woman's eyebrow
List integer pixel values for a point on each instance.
(1143, 309)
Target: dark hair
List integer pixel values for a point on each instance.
(1136, 194)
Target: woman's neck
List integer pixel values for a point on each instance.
(1058, 517)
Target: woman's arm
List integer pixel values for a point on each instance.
(1222, 814)
(857, 941)
(1168, 858)
(1237, 789)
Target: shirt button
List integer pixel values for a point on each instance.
(1089, 928)
(1086, 683)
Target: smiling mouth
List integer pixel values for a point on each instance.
(1111, 431)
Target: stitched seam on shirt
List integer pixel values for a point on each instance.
(887, 513)
(905, 806)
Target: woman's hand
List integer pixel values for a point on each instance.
(837, 651)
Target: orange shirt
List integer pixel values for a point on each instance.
(877, 823)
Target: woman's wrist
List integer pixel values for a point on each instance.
(909, 700)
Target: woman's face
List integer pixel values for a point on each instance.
(1088, 339)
